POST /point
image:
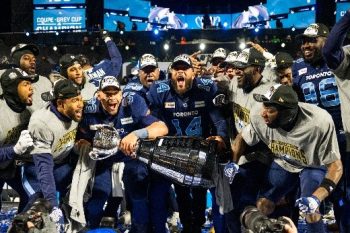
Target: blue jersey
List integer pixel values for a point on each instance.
(136, 86)
(192, 114)
(132, 115)
(317, 86)
(106, 67)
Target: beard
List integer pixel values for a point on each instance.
(247, 84)
(315, 59)
(72, 115)
(187, 86)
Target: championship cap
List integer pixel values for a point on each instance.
(11, 76)
(283, 60)
(62, 89)
(219, 53)
(147, 60)
(182, 59)
(281, 95)
(109, 81)
(315, 30)
(230, 59)
(248, 57)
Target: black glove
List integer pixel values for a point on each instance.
(104, 34)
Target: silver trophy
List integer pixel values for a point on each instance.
(188, 161)
(105, 143)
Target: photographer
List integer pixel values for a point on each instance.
(253, 220)
(35, 220)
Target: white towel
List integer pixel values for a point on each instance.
(117, 179)
(83, 172)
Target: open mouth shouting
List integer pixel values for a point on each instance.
(180, 82)
(30, 99)
(149, 80)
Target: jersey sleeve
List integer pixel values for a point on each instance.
(116, 57)
(343, 69)
(328, 149)
(140, 109)
(219, 121)
(154, 98)
(42, 137)
(215, 113)
(6, 153)
(44, 171)
(91, 107)
(250, 134)
(84, 131)
(332, 50)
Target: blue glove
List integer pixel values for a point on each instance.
(308, 205)
(230, 171)
(57, 217)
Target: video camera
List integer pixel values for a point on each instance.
(255, 221)
(34, 215)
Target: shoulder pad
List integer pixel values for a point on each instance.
(128, 98)
(133, 86)
(91, 106)
(299, 60)
(162, 86)
(205, 84)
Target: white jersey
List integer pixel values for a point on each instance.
(311, 143)
(51, 134)
(342, 74)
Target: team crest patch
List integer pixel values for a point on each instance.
(127, 100)
(91, 106)
(127, 120)
(199, 104)
(302, 71)
(169, 104)
(162, 87)
(206, 81)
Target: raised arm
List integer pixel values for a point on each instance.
(332, 50)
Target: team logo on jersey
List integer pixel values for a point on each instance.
(169, 104)
(302, 71)
(127, 100)
(91, 106)
(127, 120)
(206, 81)
(162, 87)
(199, 104)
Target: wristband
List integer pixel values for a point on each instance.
(107, 39)
(141, 133)
(328, 184)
